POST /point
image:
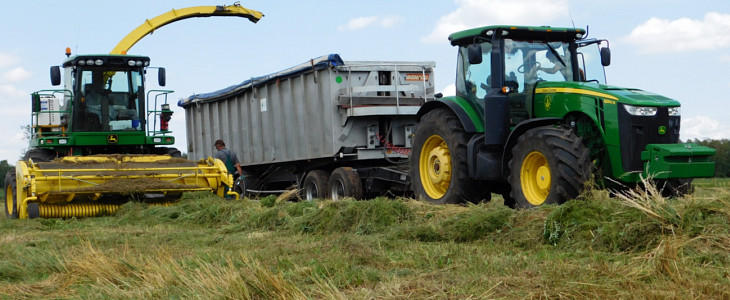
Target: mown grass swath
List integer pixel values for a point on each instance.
(634, 245)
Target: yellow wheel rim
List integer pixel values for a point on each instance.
(435, 167)
(535, 178)
(9, 199)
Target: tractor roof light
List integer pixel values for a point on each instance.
(131, 63)
(157, 140)
(644, 111)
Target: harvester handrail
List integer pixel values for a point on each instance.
(153, 112)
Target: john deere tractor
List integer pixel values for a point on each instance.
(533, 119)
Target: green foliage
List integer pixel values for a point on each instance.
(722, 155)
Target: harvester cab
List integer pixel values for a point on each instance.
(533, 119)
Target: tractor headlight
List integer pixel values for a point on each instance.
(675, 111)
(131, 63)
(646, 111)
(99, 62)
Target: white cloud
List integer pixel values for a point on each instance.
(682, 35)
(475, 13)
(12, 92)
(449, 90)
(17, 74)
(7, 60)
(702, 128)
(363, 22)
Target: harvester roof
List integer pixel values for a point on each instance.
(107, 60)
(517, 32)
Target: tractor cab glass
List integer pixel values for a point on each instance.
(473, 79)
(529, 62)
(592, 58)
(108, 100)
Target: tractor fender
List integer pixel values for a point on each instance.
(469, 118)
(519, 130)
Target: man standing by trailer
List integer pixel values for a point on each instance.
(229, 158)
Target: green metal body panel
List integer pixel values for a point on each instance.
(666, 160)
(468, 112)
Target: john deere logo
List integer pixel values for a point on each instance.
(548, 102)
(662, 130)
(112, 139)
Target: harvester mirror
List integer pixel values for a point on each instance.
(35, 102)
(55, 75)
(605, 56)
(161, 80)
(475, 54)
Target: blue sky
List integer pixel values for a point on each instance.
(680, 49)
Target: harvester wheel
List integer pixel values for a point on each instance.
(34, 210)
(39, 155)
(315, 185)
(438, 161)
(11, 201)
(345, 182)
(549, 166)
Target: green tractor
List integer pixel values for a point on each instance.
(533, 120)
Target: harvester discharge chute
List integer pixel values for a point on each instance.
(85, 186)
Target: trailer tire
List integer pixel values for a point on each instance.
(438, 160)
(11, 200)
(345, 182)
(549, 165)
(316, 185)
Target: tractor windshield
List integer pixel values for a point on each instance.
(108, 100)
(527, 62)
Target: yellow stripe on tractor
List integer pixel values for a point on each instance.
(82, 186)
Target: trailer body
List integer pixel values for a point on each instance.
(319, 116)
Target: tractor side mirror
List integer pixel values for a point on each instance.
(35, 102)
(475, 54)
(55, 75)
(605, 56)
(161, 80)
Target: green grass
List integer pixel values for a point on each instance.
(596, 247)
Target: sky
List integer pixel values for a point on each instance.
(676, 48)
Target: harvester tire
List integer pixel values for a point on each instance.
(549, 165)
(345, 182)
(39, 155)
(11, 200)
(34, 210)
(315, 185)
(438, 160)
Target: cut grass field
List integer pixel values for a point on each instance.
(601, 247)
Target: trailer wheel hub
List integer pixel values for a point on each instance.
(435, 167)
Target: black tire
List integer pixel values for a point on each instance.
(11, 201)
(345, 182)
(239, 186)
(39, 155)
(171, 151)
(34, 210)
(315, 185)
(439, 144)
(549, 165)
(675, 188)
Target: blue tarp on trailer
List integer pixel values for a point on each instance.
(319, 63)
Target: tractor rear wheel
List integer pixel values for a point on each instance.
(438, 161)
(676, 187)
(549, 165)
(315, 185)
(345, 182)
(11, 201)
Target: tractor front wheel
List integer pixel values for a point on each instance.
(438, 161)
(549, 165)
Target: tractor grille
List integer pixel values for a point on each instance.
(635, 132)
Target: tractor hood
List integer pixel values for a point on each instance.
(622, 95)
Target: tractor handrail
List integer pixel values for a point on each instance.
(150, 25)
